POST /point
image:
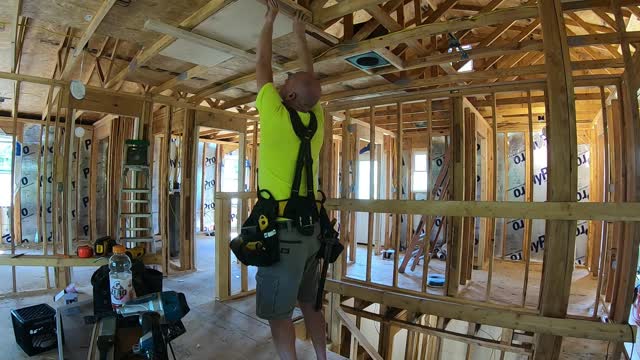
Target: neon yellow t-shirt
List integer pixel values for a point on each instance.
(279, 144)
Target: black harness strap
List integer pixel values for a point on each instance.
(305, 160)
(302, 209)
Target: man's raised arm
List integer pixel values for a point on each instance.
(264, 73)
(304, 56)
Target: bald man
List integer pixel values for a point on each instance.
(294, 279)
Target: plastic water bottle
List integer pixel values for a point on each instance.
(120, 277)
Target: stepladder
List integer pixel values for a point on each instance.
(134, 226)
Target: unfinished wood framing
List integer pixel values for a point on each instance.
(500, 100)
(562, 174)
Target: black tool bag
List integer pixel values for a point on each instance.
(330, 246)
(302, 209)
(257, 244)
(145, 281)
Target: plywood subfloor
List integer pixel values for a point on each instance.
(507, 282)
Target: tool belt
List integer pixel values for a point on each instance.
(258, 243)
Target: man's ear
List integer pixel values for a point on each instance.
(291, 96)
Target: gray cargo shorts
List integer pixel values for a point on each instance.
(294, 277)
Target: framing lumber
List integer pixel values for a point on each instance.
(86, 36)
(12, 213)
(398, 184)
(486, 315)
(470, 76)
(13, 36)
(550, 210)
(189, 144)
(562, 175)
(184, 76)
(362, 339)
(468, 90)
(494, 193)
(628, 254)
(455, 244)
(158, 99)
(324, 15)
(526, 246)
(372, 190)
(62, 261)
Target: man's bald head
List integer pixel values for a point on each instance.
(301, 91)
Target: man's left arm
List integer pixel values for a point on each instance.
(304, 56)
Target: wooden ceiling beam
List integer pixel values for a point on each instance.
(22, 32)
(372, 24)
(605, 17)
(382, 17)
(492, 5)
(589, 28)
(470, 76)
(524, 100)
(13, 35)
(323, 15)
(86, 36)
(467, 90)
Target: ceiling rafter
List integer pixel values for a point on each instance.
(372, 24)
(468, 76)
(341, 9)
(613, 50)
(86, 36)
(13, 35)
(20, 36)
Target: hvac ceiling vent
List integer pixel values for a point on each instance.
(368, 61)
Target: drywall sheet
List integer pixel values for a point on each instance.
(83, 174)
(209, 175)
(28, 183)
(249, 13)
(195, 53)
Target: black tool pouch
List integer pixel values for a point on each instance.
(258, 244)
(303, 212)
(330, 246)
